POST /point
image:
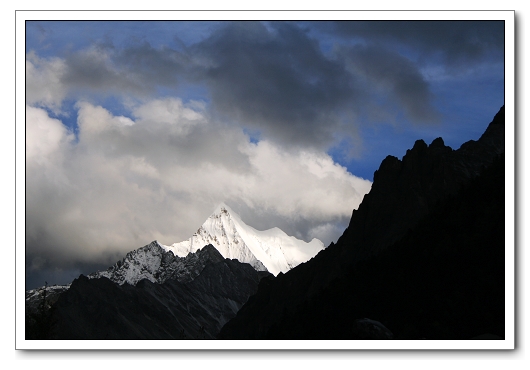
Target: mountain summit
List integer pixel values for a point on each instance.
(269, 250)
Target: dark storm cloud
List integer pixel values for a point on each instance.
(137, 69)
(396, 77)
(276, 79)
(455, 41)
(92, 70)
(285, 82)
(57, 275)
(161, 66)
(272, 78)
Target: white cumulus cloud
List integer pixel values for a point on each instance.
(125, 182)
(44, 84)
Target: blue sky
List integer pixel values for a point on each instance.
(137, 130)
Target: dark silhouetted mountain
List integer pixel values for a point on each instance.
(151, 262)
(99, 308)
(423, 256)
(37, 306)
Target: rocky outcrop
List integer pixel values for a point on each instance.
(157, 265)
(370, 329)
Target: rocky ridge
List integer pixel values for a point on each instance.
(100, 309)
(154, 263)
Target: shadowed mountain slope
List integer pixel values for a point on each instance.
(423, 255)
(101, 309)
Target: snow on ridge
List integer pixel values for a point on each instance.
(142, 263)
(271, 249)
(37, 292)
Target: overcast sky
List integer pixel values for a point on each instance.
(136, 131)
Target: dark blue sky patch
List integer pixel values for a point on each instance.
(253, 135)
(116, 106)
(67, 115)
(54, 38)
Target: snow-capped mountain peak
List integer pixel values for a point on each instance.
(271, 250)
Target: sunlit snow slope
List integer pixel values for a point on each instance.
(272, 249)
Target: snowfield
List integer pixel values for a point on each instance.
(271, 250)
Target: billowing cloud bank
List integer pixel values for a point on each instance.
(125, 181)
